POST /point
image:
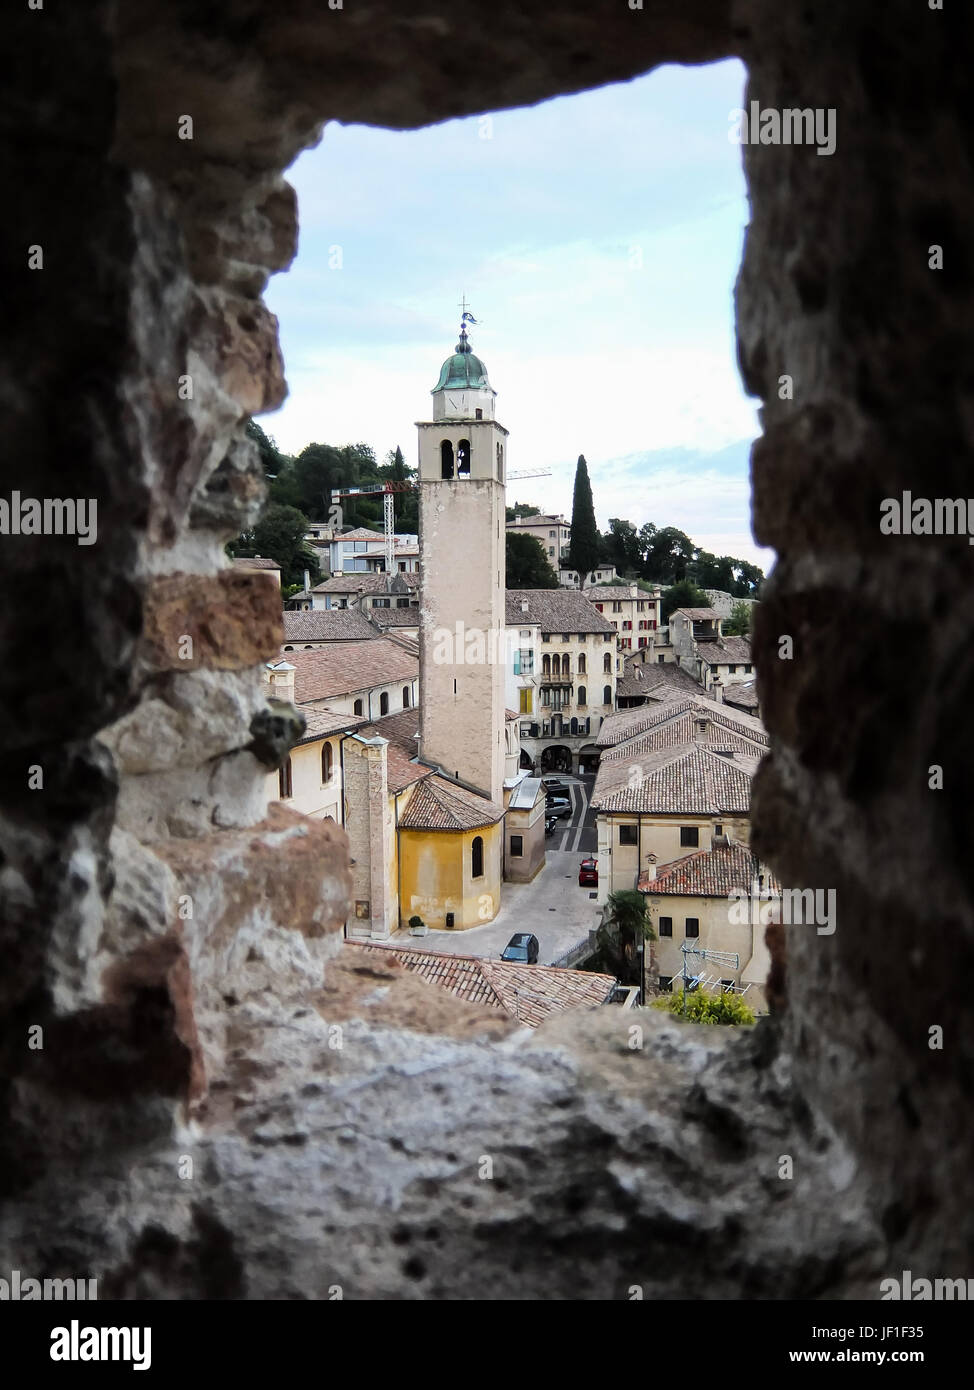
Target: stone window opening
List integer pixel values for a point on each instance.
(463, 458)
(327, 767)
(284, 780)
(446, 459)
(477, 857)
(833, 1003)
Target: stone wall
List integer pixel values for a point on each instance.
(181, 959)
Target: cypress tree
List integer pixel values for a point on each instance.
(584, 551)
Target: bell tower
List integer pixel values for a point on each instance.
(462, 514)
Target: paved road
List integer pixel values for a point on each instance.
(552, 906)
(577, 832)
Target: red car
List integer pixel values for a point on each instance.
(588, 872)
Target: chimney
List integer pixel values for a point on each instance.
(307, 582)
(524, 606)
(650, 868)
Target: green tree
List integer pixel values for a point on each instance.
(623, 545)
(270, 455)
(667, 553)
(279, 535)
(527, 563)
(749, 580)
(522, 509)
(704, 1007)
(682, 595)
(624, 926)
(585, 547)
(739, 622)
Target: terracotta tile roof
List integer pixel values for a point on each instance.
(322, 722)
(682, 781)
(256, 562)
(555, 610)
(511, 714)
(442, 805)
(726, 650)
(343, 667)
(529, 993)
(327, 625)
(628, 723)
(362, 533)
(742, 693)
(681, 728)
(698, 613)
(400, 730)
(709, 873)
(392, 617)
(657, 681)
(602, 593)
(542, 519)
(362, 582)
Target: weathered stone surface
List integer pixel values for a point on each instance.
(316, 1165)
(232, 621)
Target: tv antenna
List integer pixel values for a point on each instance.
(692, 982)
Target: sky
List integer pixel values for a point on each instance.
(596, 238)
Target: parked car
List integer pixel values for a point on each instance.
(522, 948)
(557, 807)
(588, 872)
(554, 784)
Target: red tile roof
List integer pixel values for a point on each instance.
(343, 667)
(529, 993)
(688, 780)
(327, 625)
(709, 873)
(441, 805)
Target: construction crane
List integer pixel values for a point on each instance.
(388, 491)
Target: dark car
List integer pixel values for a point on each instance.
(588, 872)
(553, 784)
(522, 948)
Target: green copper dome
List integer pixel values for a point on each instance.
(463, 369)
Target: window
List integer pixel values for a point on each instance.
(546, 636)
(463, 459)
(402, 602)
(718, 830)
(478, 413)
(551, 550)
(617, 608)
(565, 637)
(284, 781)
(581, 664)
(546, 664)
(384, 702)
(402, 570)
(626, 625)
(644, 641)
(551, 536)
(525, 701)
(689, 836)
(661, 659)
(731, 669)
(405, 697)
(693, 926)
(600, 607)
(357, 707)
(628, 834)
(665, 983)
(666, 926)
(446, 459)
(326, 763)
(517, 846)
(477, 857)
(581, 695)
(607, 694)
(747, 670)
(381, 603)
(607, 662)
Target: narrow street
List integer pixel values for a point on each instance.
(552, 906)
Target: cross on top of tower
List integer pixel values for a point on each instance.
(465, 317)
